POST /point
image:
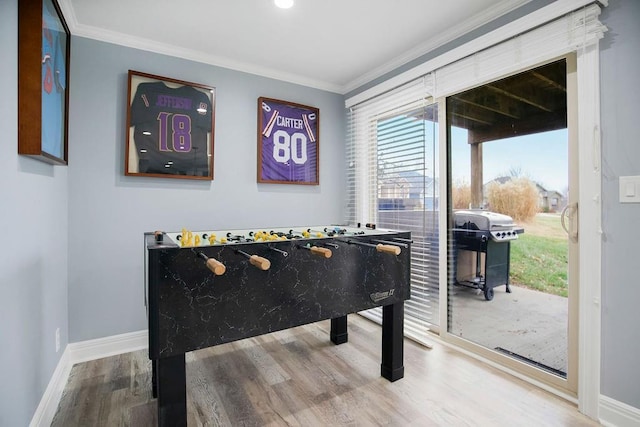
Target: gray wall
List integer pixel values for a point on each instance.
(620, 65)
(33, 257)
(108, 212)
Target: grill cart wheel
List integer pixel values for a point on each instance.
(488, 293)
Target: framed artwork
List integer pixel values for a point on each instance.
(288, 142)
(170, 128)
(43, 81)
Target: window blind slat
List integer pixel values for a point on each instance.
(392, 181)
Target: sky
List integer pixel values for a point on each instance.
(541, 157)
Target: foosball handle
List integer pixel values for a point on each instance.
(216, 266)
(389, 249)
(259, 262)
(325, 252)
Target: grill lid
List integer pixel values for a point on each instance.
(497, 226)
(483, 220)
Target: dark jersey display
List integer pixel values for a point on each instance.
(171, 129)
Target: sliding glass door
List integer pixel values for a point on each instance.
(512, 221)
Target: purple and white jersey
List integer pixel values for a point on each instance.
(289, 143)
(171, 127)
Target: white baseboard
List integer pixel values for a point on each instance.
(77, 353)
(108, 346)
(618, 414)
(51, 397)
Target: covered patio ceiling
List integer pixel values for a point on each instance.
(531, 102)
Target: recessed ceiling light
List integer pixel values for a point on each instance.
(284, 4)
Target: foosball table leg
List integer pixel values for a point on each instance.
(392, 367)
(339, 334)
(154, 379)
(172, 391)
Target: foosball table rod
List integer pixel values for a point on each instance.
(324, 252)
(294, 233)
(342, 232)
(255, 260)
(214, 265)
(388, 249)
(386, 242)
(280, 251)
(399, 239)
(238, 238)
(330, 245)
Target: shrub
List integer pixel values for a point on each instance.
(517, 198)
(461, 195)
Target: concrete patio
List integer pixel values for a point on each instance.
(529, 323)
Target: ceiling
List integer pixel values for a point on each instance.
(530, 102)
(335, 45)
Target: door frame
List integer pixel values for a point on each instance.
(588, 317)
(568, 385)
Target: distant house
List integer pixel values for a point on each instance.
(548, 200)
(407, 191)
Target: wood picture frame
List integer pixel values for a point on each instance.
(288, 142)
(170, 128)
(44, 45)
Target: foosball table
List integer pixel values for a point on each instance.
(207, 288)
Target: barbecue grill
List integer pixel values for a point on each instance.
(482, 247)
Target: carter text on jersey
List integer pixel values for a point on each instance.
(289, 122)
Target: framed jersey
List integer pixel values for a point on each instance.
(288, 142)
(43, 81)
(170, 128)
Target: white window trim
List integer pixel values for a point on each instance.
(589, 230)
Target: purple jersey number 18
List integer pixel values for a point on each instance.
(180, 132)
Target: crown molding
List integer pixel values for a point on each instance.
(69, 14)
(198, 56)
(429, 45)
(121, 39)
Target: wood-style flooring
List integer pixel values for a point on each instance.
(298, 377)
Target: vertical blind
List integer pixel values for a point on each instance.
(392, 181)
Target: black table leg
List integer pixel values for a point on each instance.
(172, 391)
(392, 367)
(339, 333)
(154, 378)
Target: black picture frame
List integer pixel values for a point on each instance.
(170, 128)
(44, 46)
(288, 142)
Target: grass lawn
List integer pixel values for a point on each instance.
(539, 256)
